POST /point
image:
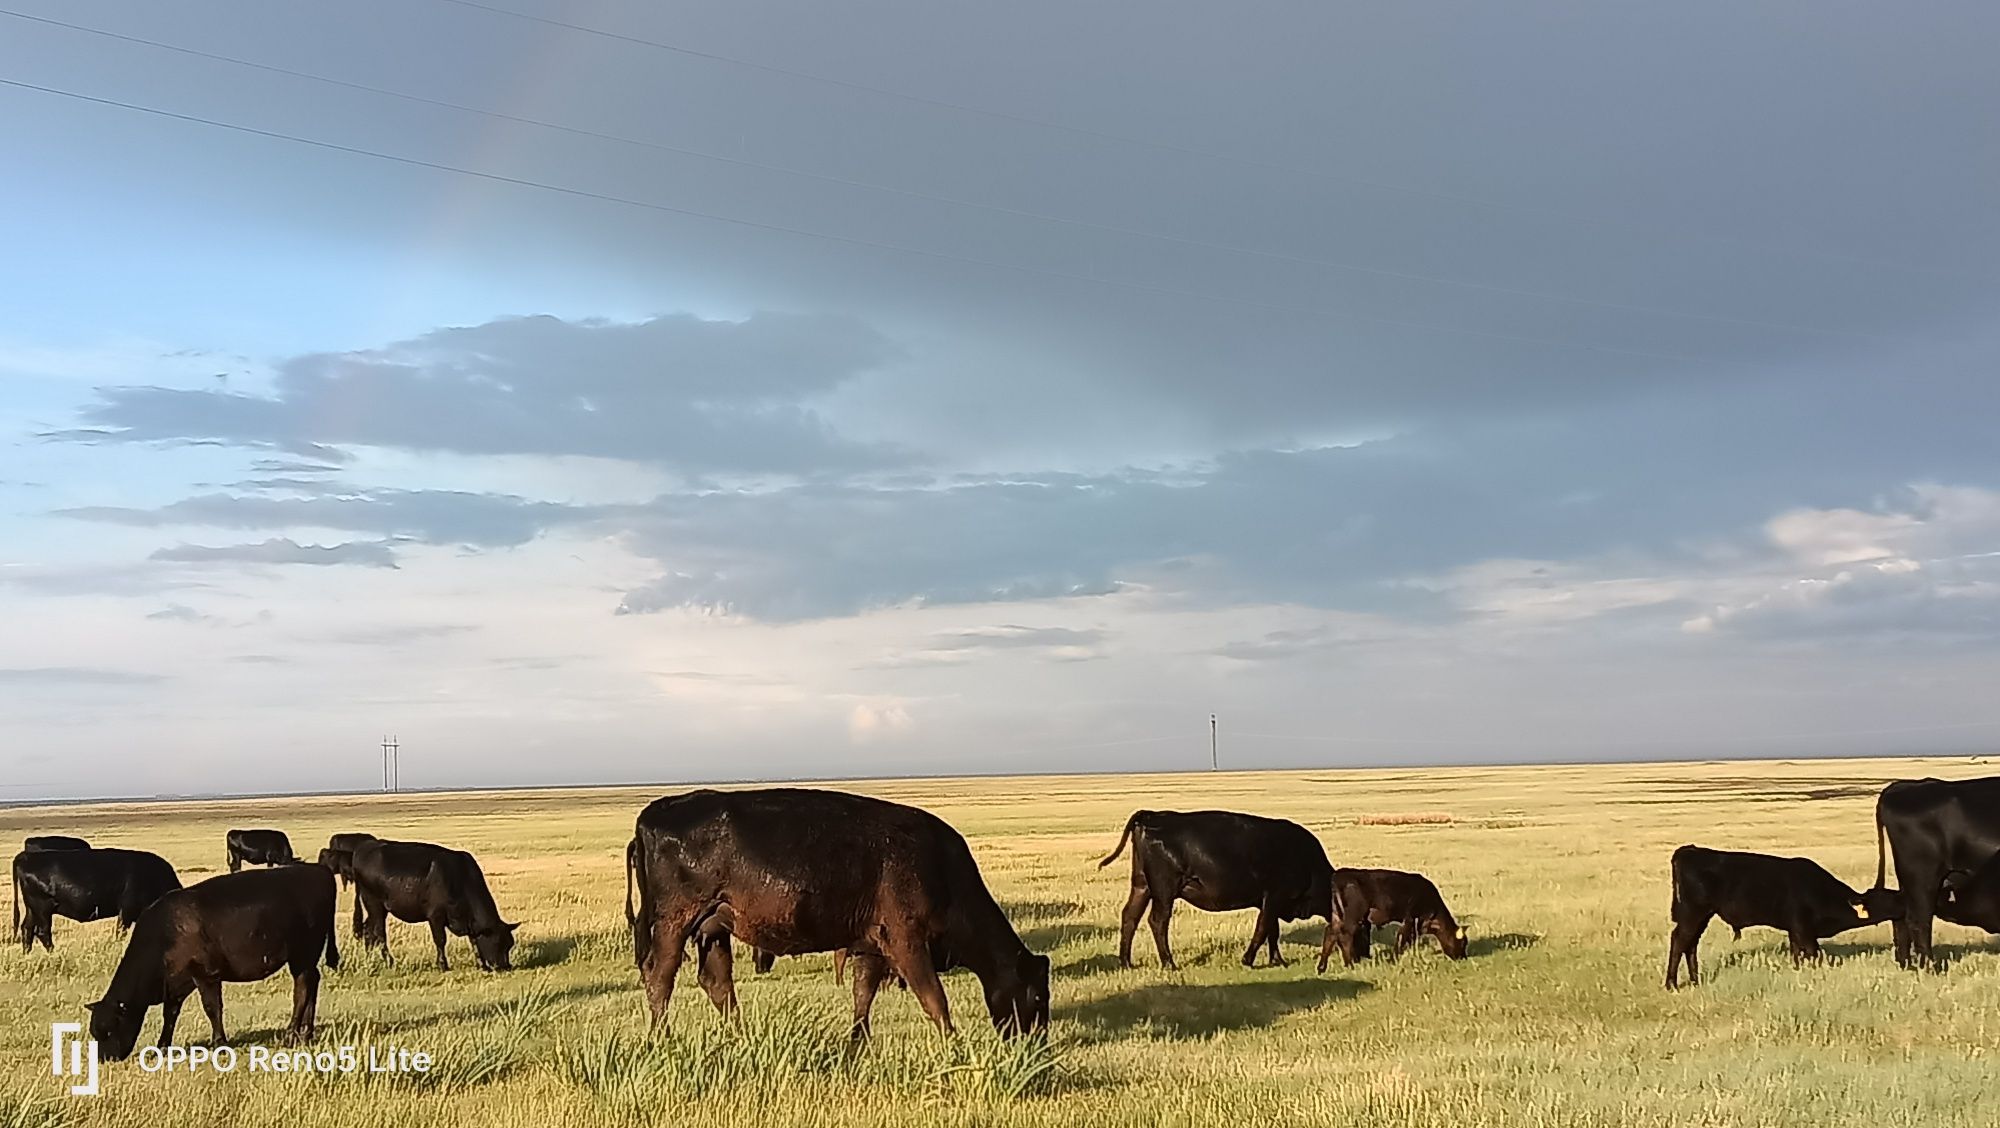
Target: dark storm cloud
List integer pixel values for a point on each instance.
(693, 395)
(283, 550)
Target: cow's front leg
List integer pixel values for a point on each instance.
(170, 1010)
(211, 1001)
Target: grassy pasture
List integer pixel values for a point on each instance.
(1558, 1019)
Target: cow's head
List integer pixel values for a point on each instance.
(114, 1026)
(1452, 936)
(1018, 996)
(1880, 904)
(494, 945)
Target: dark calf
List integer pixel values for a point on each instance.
(1795, 895)
(258, 848)
(421, 883)
(1371, 897)
(234, 928)
(794, 870)
(53, 842)
(1219, 861)
(84, 885)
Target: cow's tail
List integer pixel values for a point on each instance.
(14, 875)
(631, 861)
(1881, 847)
(1123, 838)
(1674, 868)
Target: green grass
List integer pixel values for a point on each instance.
(1559, 1019)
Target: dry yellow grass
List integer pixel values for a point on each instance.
(1559, 1019)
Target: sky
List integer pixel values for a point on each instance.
(603, 391)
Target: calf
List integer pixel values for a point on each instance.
(258, 848)
(1219, 861)
(84, 885)
(233, 928)
(1370, 897)
(54, 842)
(1795, 895)
(418, 882)
(794, 870)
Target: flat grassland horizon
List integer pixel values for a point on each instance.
(1558, 1017)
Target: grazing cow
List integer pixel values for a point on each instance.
(348, 840)
(1370, 897)
(232, 928)
(54, 842)
(84, 885)
(1932, 826)
(1972, 897)
(794, 870)
(259, 848)
(417, 883)
(1795, 895)
(1219, 861)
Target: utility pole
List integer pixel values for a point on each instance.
(391, 755)
(1213, 764)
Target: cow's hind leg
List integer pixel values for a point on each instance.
(1267, 926)
(869, 972)
(657, 971)
(716, 971)
(305, 1003)
(1160, 916)
(1684, 946)
(1128, 920)
(762, 961)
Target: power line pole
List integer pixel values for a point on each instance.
(391, 755)
(1213, 763)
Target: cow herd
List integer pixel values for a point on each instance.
(895, 894)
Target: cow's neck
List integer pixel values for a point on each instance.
(984, 940)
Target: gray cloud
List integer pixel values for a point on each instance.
(181, 613)
(77, 676)
(692, 395)
(1014, 637)
(430, 516)
(397, 635)
(282, 550)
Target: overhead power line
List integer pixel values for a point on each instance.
(1192, 151)
(1000, 209)
(852, 240)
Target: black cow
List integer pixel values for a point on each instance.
(1932, 826)
(1219, 861)
(232, 928)
(341, 862)
(258, 848)
(794, 870)
(84, 885)
(1371, 897)
(1972, 897)
(344, 844)
(348, 840)
(418, 882)
(1795, 895)
(54, 842)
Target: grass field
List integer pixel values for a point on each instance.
(1557, 1019)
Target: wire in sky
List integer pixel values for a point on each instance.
(852, 240)
(1190, 151)
(1129, 232)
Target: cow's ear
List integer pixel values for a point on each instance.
(510, 927)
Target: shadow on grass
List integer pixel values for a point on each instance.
(1043, 937)
(1089, 965)
(1042, 910)
(546, 952)
(481, 1012)
(1193, 1011)
(1500, 942)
